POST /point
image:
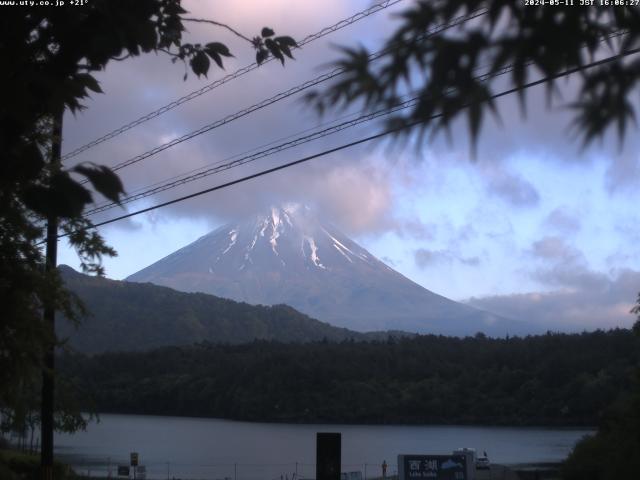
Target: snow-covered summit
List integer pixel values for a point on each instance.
(288, 236)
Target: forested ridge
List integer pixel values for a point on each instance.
(552, 379)
(141, 316)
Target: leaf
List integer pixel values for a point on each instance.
(36, 198)
(219, 48)
(200, 63)
(148, 37)
(285, 40)
(285, 50)
(173, 8)
(215, 49)
(89, 82)
(103, 179)
(215, 57)
(261, 56)
(274, 49)
(267, 32)
(66, 197)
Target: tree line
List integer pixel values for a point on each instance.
(553, 379)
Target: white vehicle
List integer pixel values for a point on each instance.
(470, 457)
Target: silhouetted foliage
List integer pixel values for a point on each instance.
(451, 70)
(612, 453)
(553, 379)
(23, 466)
(49, 56)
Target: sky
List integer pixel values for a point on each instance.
(532, 226)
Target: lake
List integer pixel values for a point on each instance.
(197, 448)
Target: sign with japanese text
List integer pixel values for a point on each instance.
(432, 467)
(134, 459)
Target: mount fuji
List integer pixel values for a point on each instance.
(288, 255)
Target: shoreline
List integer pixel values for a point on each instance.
(302, 422)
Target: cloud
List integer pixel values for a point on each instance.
(556, 249)
(602, 302)
(470, 261)
(562, 221)
(466, 233)
(134, 88)
(511, 188)
(571, 275)
(582, 298)
(353, 193)
(565, 266)
(414, 228)
(426, 258)
(389, 261)
(362, 190)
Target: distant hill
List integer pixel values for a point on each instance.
(127, 316)
(289, 255)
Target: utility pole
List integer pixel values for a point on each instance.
(49, 316)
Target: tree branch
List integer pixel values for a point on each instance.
(218, 24)
(120, 59)
(168, 52)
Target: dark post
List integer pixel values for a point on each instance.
(49, 315)
(328, 456)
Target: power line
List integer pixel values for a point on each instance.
(276, 98)
(454, 22)
(238, 73)
(256, 154)
(218, 167)
(236, 157)
(362, 140)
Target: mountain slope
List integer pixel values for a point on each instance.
(290, 256)
(128, 316)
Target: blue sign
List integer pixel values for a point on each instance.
(432, 467)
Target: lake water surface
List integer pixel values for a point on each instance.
(196, 448)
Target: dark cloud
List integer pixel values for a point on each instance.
(570, 275)
(601, 302)
(425, 258)
(511, 188)
(562, 221)
(556, 249)
(582, 298)
(564, 266)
